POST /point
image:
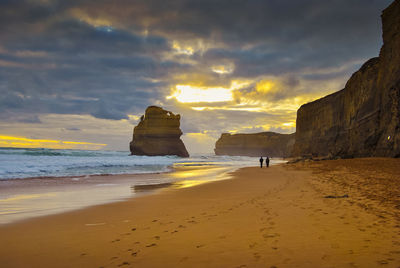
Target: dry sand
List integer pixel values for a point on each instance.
(275, 217)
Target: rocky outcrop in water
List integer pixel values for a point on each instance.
(158, 133)
(258, 144)
(363, 119)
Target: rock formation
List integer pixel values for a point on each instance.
(363, 119)
(158, 133)
(258, 144)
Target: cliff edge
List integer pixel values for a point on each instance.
(257, 144)
(158, 133)
(363, 119)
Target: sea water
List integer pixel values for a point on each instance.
(29, 163)
(37, 182)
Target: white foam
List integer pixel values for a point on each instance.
(23, 163)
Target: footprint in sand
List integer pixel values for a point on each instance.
(116, 240)
(184, 259)
(325, 257)
(199, 246)
(174, 231)
(124, 263)
(266, 236)
(256, 256)
(134, 254)
(151, 245)
(382, 262)
(157, 237)
(253, 245)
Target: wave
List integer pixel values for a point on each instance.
(27, 163)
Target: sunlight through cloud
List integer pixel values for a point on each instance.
(192, 94)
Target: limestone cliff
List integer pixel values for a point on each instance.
(158, 133)
(363, 119)
(258, 144)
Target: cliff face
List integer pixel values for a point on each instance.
(158, 133)
(363, 119)
(259, 144)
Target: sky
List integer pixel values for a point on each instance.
(79, 74)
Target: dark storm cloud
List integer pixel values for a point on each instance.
(55, 59)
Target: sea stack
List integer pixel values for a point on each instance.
(363, 119)
(256, 144)
(158, 133)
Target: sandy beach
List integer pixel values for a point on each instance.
(339, 213)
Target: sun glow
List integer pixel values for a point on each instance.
(264, 86)
(223, 69)
(180, 49)
(289, 124)
(198, 94)
(191, 94)
(23, 142)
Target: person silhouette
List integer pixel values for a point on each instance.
(261, 161)
(267, 161)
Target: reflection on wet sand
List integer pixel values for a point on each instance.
(28, 198)
(189, 176)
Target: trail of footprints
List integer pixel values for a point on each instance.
(268, 235)
(139, 247)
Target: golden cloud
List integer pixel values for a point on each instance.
(23, 142)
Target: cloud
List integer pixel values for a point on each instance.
(112, 59)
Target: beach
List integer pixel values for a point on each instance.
(336, 213)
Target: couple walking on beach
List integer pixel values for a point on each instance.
(266, 161)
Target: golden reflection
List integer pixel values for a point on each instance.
(26, 196)
(23, 142)
(188, 176)
(189, 183)
(189, 172)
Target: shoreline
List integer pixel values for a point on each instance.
(260, 218)
(22, 199)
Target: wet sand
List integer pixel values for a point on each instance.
(275, 217)
(21, 199)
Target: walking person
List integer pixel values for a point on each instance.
(267, 161)
(261, 161)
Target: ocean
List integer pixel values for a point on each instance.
(17, 163)
(38, 182)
